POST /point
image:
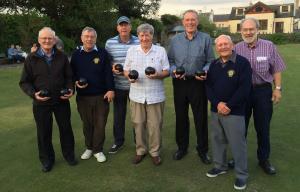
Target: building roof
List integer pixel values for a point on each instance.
(263, 9)
(220, 18)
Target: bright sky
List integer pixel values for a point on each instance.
(177, 7)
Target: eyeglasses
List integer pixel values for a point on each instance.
(89, 36)
(46, 38)
(251, 30)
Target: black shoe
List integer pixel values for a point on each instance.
(72, 162)
(179, 154)
(47, 167)
(204, 158)
(267, 167)
(114, 148)
(215, 172)
(240, 184)
(230, 164)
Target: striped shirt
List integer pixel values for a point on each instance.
(264, 60)
(146, 90)
(117, 49)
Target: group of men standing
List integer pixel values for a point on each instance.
(237, 83)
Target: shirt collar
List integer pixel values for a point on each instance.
(41, 53)
(256, 44)
(232, 58)
(94, 48)
(129, 41)
(194, 35)
(151, 49)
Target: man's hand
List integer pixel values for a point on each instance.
(79, 86)
(276, 96)
(202, 77)
(109, 95)
(116, 71)
(178, 76)
(37, 97)
(223, 109)
(153, 76)
(67, 96)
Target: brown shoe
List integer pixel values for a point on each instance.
(138, 158)
(156, 160)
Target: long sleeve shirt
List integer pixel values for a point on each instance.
(195, 54)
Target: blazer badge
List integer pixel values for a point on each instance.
(96, 60)
(230, 73)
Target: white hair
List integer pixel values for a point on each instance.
(223, 36)
(251, 19)
(89, 29)
(47, 29)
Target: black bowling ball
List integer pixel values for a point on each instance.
(82, 81)
(200, 73)
(133, 74)
(150, 71)
(64, 91)
(119, 67)
(179, 70)
(44, 93)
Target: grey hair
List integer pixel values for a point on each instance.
(146, 27)
(251, 19)
(47, 29)
(190, 11)
(89, 29)
(223, 36)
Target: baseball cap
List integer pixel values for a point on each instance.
(123, 19)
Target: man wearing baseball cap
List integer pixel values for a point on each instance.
(117, 47)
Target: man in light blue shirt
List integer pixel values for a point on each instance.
(193, 51)
(117, 47)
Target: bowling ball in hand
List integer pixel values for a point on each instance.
(44, 93)
(119, 68)
(179, 70)
(133, 74)
(82, 81)
(150, 71)
(64, 91)
(200, 73)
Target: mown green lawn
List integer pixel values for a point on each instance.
(20, 167)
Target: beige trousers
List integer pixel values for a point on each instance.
(147, 121)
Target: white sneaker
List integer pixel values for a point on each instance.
(87, 154)
(100, 157)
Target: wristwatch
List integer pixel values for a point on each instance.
(278, 88)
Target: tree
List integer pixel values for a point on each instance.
(137, 8)
(206, 26)
(169, 20)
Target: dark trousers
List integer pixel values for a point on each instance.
(93, 112)
(44, 121)
(261, 106)
(190, 92)
(120, 108)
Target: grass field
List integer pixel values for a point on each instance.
(20, 167)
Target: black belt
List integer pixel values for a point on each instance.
(262, 85)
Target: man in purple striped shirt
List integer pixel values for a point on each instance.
(267, 66)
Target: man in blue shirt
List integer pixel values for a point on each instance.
(193, 51)
(117, 47)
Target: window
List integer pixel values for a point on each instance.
(238, 27)
(284, 9)
(240, 11)
(263, 24)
